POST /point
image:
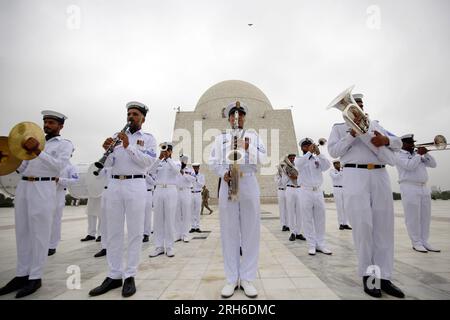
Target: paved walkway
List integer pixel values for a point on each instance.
(286, 271)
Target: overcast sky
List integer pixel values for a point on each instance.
(88, 58)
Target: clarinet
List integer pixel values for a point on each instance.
(100, 164)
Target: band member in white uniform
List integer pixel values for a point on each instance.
(106, 173)
(184, 205)
(148, 222)
(68, 176)
(293, 204)
(166, 172)
(338, 195)
(368, 199)
(125, 199)
(197, 186)
(93, 211)
(239, 218)
(282, 180)
(35, 204)
(416, 196)
(310, 167)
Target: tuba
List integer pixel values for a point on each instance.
(353, 115)
(289, 168)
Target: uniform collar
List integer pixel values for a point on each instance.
(407, 152)
(137, 132)
(54, 138)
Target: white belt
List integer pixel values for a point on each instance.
(247, 174)
(165, 185)
(419, 184)
(310, 188)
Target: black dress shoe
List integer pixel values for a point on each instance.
(101, 253)
(341, 227)
(108, 284)
(129, 288)
(285, 228)
(99, 238)
(300, 237)
(51, 252)
(145, 239)
(88, 238)
(346, 226)
(391, 289)
(192, 230)
(292, 237)
(29, 288)
(198, 230)
(15, 284)
(374, 292)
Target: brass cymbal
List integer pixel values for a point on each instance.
(8, 163)
(19, 134)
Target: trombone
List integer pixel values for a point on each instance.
(439, 143)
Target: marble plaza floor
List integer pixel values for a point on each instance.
(286, 271)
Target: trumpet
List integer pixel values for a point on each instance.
(321, 142)
(100, 164)
(439, 143)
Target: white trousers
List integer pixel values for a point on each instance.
(240, 227)
(34, 207)
(282, 208)
(416, 202)
(293, 209)
(103, 227)
(57, 219)
(148, 221)
(165, 202)
(125, 200)
(183, 213)
(370, 207)
(196, 207)
(94, 214)
(313, 212)
(338, 195)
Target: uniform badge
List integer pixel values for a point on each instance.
(140, 143)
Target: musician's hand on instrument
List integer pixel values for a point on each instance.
(227, 177)
(162, 155)
(379, 140)
(57, 180)
(422, 150)
(107, 143)
(31, 145)
(353, 133)
(123, 136)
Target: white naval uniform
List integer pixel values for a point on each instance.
(35, 205)
(68, 176)
(337, 179)
(368, 196)
(165, 197)
(281, 181)
(184, 203)
(197, 186)
(148, 221)
(416, 196)
(125, 200)
(93, 211)
(106, 172)
(239, 220)
(293, 206)
(312, 203)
